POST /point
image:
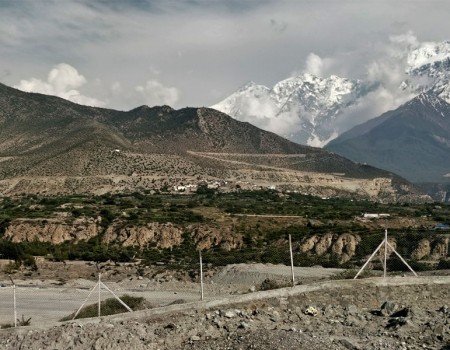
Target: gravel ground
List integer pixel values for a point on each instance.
(47, 300)
(393, 313)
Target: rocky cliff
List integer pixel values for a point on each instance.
(204, 236)
(52, 231)
(168, 235)
(342, 246)
(431, 249)
(163, 235)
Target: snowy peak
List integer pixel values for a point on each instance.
(428, 68)
(312, 110)
(428, 54)
(300, 107)
(320, 92)
(327, 89)
(252, 87)
(429, 100)
(239, 104)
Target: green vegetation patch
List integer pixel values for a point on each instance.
(111, 306)
(251, 215)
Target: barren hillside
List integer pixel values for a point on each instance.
(49, 146)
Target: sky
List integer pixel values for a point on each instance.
(121, 54)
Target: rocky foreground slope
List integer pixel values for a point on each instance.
(395, 313)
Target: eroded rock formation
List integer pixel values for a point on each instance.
(343, 246)
(164, 235)
(433, 249)
(207, 236)
(52, 231)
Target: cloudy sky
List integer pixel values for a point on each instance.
(125, 53)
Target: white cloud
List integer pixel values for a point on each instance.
(177, 37)
(155, 93)
(64, 77)
(116, 87)
(62, 81)
(318, 66)
(265, 114)
(35, 85)
(372, 105)
(387, 66)
(314, 64)
(407, 40)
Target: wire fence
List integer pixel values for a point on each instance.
(25, 300)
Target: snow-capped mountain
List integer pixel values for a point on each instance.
(428, 70)
(302, 108)
(311, 110)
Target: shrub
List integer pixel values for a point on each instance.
(351, 273)
(111, 306)
(30, 262)
(23, 321)
(395, 264)
(20, 322)
(11, 267)
(269, 284)
(443, 265)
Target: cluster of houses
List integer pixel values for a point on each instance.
(216, 184)
(375, 216)
(185, 188)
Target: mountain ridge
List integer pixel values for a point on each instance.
(314, 110)
(50, 145)
(305, 103)
(412, 140)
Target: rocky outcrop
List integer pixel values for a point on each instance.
(309, 243)
(434, 249)
(440, 248)
(164, 235)
(52, 231)
(343, 246)
(207, 236)
(422, 250)
(204, 236)
(167, 235)
(324, 244)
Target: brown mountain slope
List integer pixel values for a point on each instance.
(50, 145)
